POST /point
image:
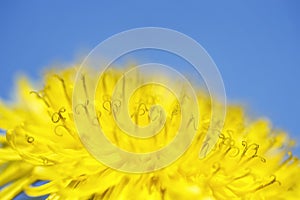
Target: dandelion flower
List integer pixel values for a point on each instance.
(249, 161)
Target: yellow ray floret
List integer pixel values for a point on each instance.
(249, 161)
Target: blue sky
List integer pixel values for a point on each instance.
(255, 44)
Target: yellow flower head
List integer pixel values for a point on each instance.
(249, 161)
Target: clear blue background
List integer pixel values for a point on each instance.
(255, 44)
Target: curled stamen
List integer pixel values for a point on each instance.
(30, 139)
(107, 105)
(192, 120)
(254, 147)
(60, 127)
(96, 120)
(290, 157)
(116, 104)
(144, 109)
(216, 168)
(245, 145)
(234, 148)
(57, 116)
(40, 96)
(47, 161)
(175, 111)
(273, 180)
(184, 98)
(84, 85)
(84, 106)
(86, 111)
(155, 113)
(230, 133)
(64, 87)
(262, 159)
(205, 147)
(247, 173)
(222, 136)
(228, 143)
